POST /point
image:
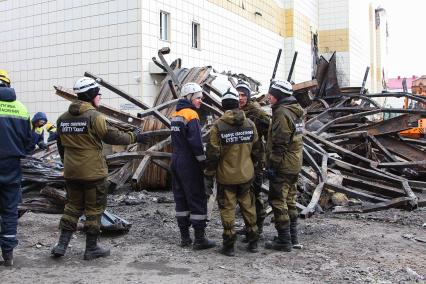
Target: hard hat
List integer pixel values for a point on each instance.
(190, 89)
(50, 126)
(84, 84)
(4, 77)
(243, 86)
(86, 89)
(230, 99)
(281, 88)
(230, 94)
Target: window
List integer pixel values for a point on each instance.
(195, 35)
(164, 25)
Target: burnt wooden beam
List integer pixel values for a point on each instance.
(354, 193)
(325, 113)
(398, 165)
(349, 135)
(307, 157)
(338, 149)
(346, 118)
(212, 109)
(109, 111)
(310, 209)
(393, 125)
(400, 202)
(212, 99)
(305, 86)
(125, 156)
(371, 185)
(380, 174)
(155, 111)
(137, 175)
(161, 53)
(382, 148)
(119, 178)
(116, 90)
(161, 164)
(402, 149)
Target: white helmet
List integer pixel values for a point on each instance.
(243, 85)
(231, 93)
(281, 86)
(84, 84)
(190, 89)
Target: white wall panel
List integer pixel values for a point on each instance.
(55, 42)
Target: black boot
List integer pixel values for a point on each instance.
(92, 249)
(64, 239)
(200, 240)
(228, 250)
(252, 247)
(242, 231)
(283, 242)
(293, 234)
(228, 245)
(260, 226)
(185, 239)
(8, 258)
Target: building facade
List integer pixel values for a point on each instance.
(53, 42)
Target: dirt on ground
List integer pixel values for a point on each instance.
(380, 247)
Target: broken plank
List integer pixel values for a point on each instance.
(354, 193)
(124, 156)
(400, 202)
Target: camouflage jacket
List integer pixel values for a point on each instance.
(231, 149)
(261, 120)
(284, 144)
(82, 130)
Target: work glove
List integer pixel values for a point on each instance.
(42, 145)
(140, 137)
(208, 185)
(270, 173)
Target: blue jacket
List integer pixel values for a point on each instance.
(186, 131)
(37, 132)
(15, 127)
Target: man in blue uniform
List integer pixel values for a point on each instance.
(15, 133)
(38, 122)
(187, 163)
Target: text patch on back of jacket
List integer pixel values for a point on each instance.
(236, 136)
(74, 126)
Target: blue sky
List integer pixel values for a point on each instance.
(407, 37)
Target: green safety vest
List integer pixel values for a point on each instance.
(13, 109)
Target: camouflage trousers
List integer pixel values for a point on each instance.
(282, 198)
(88, 198)
(259, 203)
(228, 196)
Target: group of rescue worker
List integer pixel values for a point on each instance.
(243, 144)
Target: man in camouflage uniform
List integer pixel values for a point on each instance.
(284, 158)
(261, 120)
(82, 130)
(229, 158)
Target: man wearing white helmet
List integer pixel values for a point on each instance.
(230, 155)
(82, 129)
(187, 163)
(261, 119)
(284, 159)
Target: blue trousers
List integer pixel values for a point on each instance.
(188, 192)
(10, 196)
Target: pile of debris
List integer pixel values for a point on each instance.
(351, 158)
